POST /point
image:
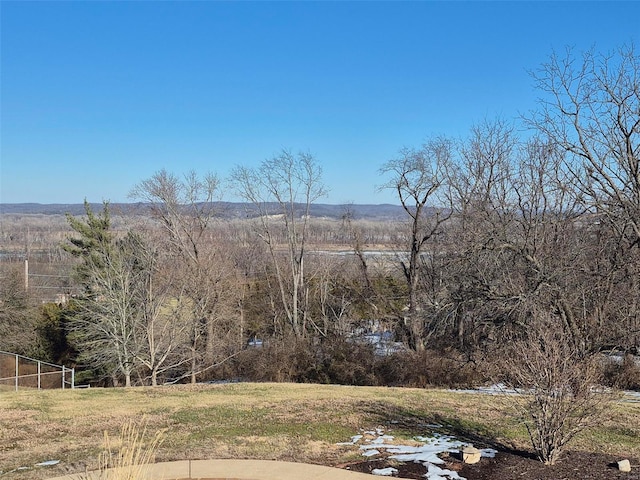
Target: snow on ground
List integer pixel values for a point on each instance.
(424, 450)
(387, 472)
(496, 389)
(633, 397)
(501, 389)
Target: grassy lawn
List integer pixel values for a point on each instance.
(268, 421)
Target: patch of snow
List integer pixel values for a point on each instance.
(19, 469)
(502, 389)
(373, 441)
(370, 453)
(385, 472)
(488, 453)
(48, 463)
(631, 396)
(382, 439)
(423, 457)
(437, 473)
(355, 439)
(496, 389)
(427, 453)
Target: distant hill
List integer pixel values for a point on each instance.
(225, 209)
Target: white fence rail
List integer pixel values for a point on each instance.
(18, 371)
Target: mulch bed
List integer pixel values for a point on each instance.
(517, 466)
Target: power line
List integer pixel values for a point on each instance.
(43, 275)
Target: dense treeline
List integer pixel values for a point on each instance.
(503, 232)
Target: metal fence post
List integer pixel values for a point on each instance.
(17, 372)
(63, 377)
(39, 371)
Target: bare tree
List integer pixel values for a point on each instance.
(516, 233)
(162, 328)
(419, 176)
(354, 235)
(106, 318)
(183, 206)
(482, 178)
(331, 295)
(185, 210)
(590, 107)
(478, 277)
(282, 190)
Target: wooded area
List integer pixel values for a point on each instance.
(501, 230)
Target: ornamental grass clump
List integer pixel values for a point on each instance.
(129, 456)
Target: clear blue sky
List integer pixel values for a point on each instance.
(97, 96)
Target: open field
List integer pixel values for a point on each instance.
(293, 422)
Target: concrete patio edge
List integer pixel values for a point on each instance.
(236, 470)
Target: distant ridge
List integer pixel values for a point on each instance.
(225, 209)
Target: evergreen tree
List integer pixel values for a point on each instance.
(104, 322)
(95, 239)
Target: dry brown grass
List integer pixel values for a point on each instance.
(265, 421)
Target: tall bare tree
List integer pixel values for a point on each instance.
(419, 177)
(481, 181)
(185, 209)
(590, 107)
(516, 232)
(162, 326)
(282, 190)
(353, 236)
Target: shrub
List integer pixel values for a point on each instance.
(624, 375)
(277, 360)
(339, 361)
(441, 368)
(347, 363)
(556, 386)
